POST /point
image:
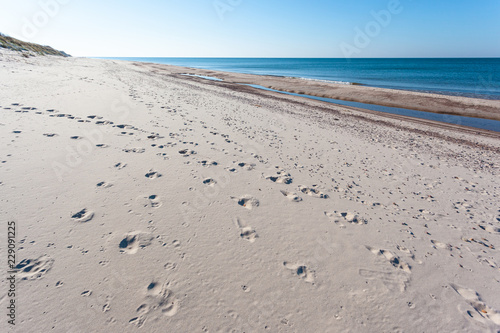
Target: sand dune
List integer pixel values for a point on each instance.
(145, 201)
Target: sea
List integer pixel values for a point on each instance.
(469, 77)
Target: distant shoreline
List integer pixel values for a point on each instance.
(463, 77)
(418, 101)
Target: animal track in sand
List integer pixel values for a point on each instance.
(483, 313)
(50, 135)
(302, 271)
(291, 196)
(134, 150)
(313, 192)
(246, 232)
(102, 145)
(83, 216)
(159, 300)
(246, 201)
(134, 241)
(392, 258)
(33, 269)
(153, 174)
(209, 182)
(338, 217)
(76, 137)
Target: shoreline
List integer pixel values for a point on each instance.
(419, 101)
(290, 75)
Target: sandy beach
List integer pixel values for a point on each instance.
(148, 201)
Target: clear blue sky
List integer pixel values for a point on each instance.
(258, 28)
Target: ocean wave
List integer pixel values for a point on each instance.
(327, 81)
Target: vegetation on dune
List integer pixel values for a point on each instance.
(28, 49)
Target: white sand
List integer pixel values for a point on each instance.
(225, 211)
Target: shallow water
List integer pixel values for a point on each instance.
(492, 125)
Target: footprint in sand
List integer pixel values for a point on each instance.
(83, 216)
(339, 217)
(152, 201)
(391, 258)
(285, 179)
(246, 166)
(155, 136)
(302, 271)
(134, 241)
(187, 152)
(291, 196)
(281, 177)
(482, 312)
(124, 126)
(134, 150)
(102, 145)
(491, 229)
(104, 185)
(120, 165)
(33, 269)
(246, 201)
(313, 192)
(438, 245)
(153, 174)
(391, 280)
(483, 241)
(159, 300)
(209, 182)
(246, 232)
(487, 261)
(207, 163)
(50, 135)
(163, 155)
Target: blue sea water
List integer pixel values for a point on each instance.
(471, 77)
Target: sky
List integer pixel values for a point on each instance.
(258, 28)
